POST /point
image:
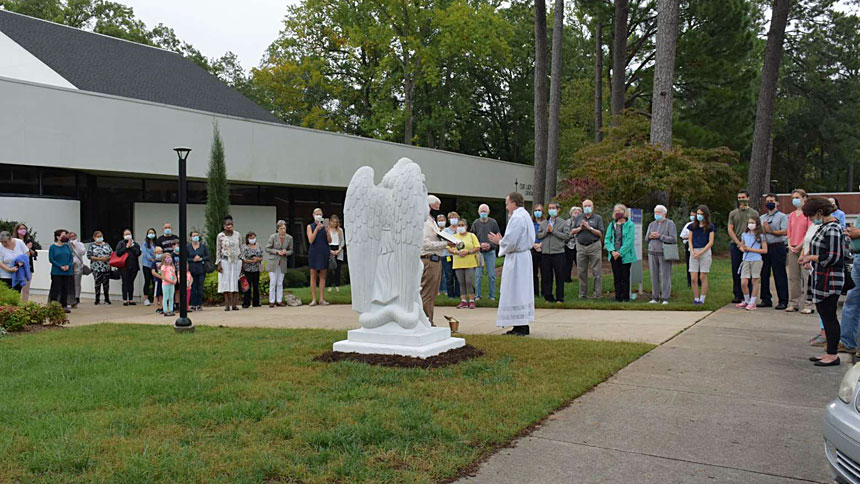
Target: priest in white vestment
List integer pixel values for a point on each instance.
(516, 299)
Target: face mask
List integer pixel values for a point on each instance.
(22, 232)
(167, 231)
(700, 217)
(553, 212)
(252, 241)
(159, 256)
(770, 205)
(176, 249)
(318, 218)
(619, 215)
(196, 238)
(461, 230)
(64, 239)
(751, 226)
(538, 214)
(483, 215)
(658, 217)
(692, 218)
(742, 203)
(797, 202)
(454, 222)
(127, 237)
(587, 210)
(440, 223)
(150, 236)
(100, 240)
(818, 221)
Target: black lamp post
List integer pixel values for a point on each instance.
(183, 324)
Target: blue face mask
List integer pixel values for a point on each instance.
(796, 202)
(196, 238)
(150, 236)
(100, 239)
(658, 217)
(158, 256)
(587, 210)
(692, 218)
(553, 212)
(167, 231)
(700, 217)
(538, 214)
(484, 214)
(818, 221)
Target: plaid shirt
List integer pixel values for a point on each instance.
(828, 275)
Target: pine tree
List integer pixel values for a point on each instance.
(218, 191)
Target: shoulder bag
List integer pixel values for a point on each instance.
(670, 252)
(118, 261)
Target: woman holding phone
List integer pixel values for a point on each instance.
(319, 239)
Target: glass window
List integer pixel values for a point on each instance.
(197, 192)
(244, 194)
(23, 180)
(59, 183)
(161, 191)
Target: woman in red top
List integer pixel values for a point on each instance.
(798, 224)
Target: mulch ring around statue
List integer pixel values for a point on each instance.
(451, 357)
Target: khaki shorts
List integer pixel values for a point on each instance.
(751, 269)
(702, 263)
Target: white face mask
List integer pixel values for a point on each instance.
(318, 218)
(454, 222)
(440, 223)
(252, 241)
(751, 226)
(461, 230)
(127, 237)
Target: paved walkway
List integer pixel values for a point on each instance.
(644, 326)
(733, 399)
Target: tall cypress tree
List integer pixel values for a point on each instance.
(218, 191)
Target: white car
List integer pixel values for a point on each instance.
(842, 430)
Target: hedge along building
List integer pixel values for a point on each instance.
(88, 123)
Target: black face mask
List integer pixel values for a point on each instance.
(770, 205)
(435, 213)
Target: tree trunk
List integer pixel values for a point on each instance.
(767, 172)
(540, 102)
(598, 83)
(554, 101)
(664, 74)
(619, 57)
(408, 87)
(850, 187)
(757, 181)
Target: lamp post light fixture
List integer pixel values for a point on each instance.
(183, 324)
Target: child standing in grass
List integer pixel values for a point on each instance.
(168, 284)
(752, 246)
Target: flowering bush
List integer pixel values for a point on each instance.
(16, 318)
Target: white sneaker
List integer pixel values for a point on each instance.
(665, 302)
(146, 302)
(653, 301)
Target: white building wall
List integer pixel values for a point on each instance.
(17, 62)
(49, 126)
(260, 220)
(44, 215)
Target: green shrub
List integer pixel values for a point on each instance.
(298, 277)
(9, 297)
(53, 314)
(6, 313)
(31, 313)
(16, 318)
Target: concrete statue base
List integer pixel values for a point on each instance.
(392, 339)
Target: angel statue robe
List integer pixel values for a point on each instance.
(516, 299)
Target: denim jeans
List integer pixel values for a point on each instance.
(490, 269)
(851, 310)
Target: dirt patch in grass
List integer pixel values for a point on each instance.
(450, 357)
(34, 328)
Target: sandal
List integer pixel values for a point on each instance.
(807, 311)
(313, 303)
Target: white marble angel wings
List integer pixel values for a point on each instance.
(384, 232)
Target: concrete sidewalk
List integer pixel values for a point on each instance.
(642, 326)
(733, 399)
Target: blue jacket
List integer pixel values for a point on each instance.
(147, 255)
(22, 276)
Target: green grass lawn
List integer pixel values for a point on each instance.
(719, 294)
(140, 404)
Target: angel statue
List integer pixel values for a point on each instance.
(384, 235)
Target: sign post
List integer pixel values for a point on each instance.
(636, 267)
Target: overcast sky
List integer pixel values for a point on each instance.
(246, 27)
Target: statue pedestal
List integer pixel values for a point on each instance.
(392, 339)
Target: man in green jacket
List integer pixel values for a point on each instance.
(619, 243)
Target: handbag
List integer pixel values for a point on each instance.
(332, 263)
(670, 252)
(208, 266)
(244, 285)
(118, 261)
(114, 274)
(85, 270)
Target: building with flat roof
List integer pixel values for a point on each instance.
(88, 124)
